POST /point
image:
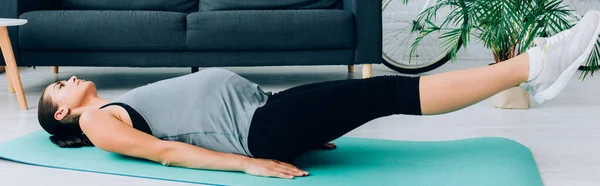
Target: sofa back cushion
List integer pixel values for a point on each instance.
(278, 30)
(97, 30)
(214, 5)
(156, 5)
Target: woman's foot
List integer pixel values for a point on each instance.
(559, 57)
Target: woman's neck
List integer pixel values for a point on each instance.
(92, 103)
(97, 102)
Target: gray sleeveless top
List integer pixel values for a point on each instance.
(211, 109)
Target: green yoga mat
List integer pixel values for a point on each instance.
(470, 162)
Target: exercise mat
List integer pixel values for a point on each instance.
(356, 161)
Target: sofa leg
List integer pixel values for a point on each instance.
(350, 68)
(195, 69)
(2, 69)
(55, 69)
(367, 70)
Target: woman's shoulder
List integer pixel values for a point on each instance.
(91, 117)
(88, 118)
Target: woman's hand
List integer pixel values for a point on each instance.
(271, 168)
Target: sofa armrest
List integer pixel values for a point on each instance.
(367, 15)
(13, 9)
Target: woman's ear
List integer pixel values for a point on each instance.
(61, 113)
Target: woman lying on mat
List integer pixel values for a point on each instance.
(215, 119)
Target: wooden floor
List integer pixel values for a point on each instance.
(564, 133)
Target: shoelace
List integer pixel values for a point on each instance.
(556, 38)
(552, 41)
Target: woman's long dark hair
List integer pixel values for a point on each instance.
(65, 133)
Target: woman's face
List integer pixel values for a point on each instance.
(71, 93)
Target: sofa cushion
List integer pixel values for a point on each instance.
(187, 59)
(159, 5)
(103, 30)
(270, 30)
(212, 5)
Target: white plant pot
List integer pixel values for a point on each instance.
(513, 98)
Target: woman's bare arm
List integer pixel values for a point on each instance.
(108, 133)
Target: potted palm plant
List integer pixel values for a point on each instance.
(506, 27)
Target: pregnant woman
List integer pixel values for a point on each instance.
(215, 119)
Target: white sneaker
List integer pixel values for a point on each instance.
(562, 54)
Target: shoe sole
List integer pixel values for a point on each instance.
(565, 76)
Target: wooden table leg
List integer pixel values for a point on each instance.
(11, 88)
(55, 69)
(11, 66)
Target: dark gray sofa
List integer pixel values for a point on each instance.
(195, 33)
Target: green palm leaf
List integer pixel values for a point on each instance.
(507, 27)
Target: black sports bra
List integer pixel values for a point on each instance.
(136, 119)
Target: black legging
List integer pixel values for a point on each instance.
(301, 118)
